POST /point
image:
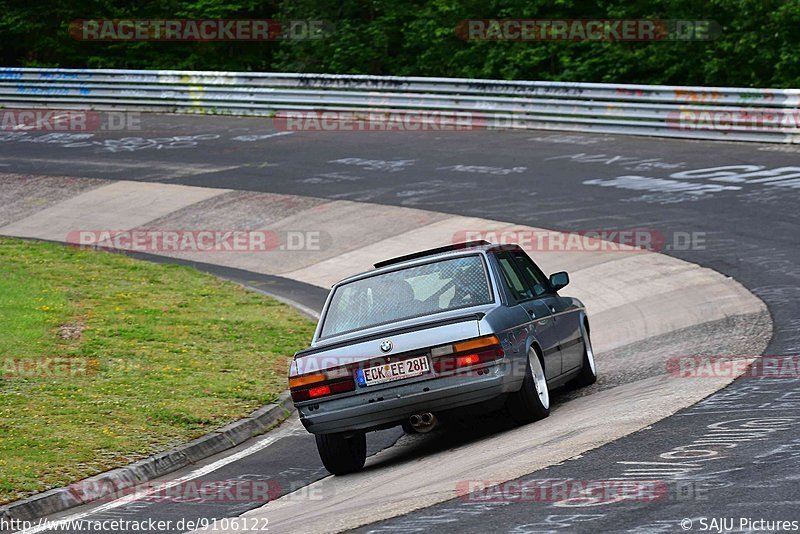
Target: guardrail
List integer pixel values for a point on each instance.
(740, 114)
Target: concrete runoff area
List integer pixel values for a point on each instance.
(654, 293)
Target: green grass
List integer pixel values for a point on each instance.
(163, 354)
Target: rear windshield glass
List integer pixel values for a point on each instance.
(413, 292)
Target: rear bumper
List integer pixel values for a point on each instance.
(392, 405)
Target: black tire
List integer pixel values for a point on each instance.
(342, 454)
(529, 404)
(588, 373)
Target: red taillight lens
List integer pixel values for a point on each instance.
(451, 363)
(321, 384)
(469, 359)
(319, 392)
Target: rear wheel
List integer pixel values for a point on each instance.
(532, 401)
(342, 454)
(588, 374)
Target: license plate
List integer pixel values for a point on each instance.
(388, 372)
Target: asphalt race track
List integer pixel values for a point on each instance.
(741, 221)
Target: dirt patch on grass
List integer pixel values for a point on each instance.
(72, 330)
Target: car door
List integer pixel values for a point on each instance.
(541, 318)
(566, 316)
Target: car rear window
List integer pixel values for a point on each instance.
(406, 293)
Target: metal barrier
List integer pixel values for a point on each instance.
(740, 114)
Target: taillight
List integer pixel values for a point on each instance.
(320, 391)
(469, 359)
(316, 385)
(464, 354)
(477, 343)
(297, 381)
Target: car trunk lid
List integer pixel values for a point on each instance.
(398, 341)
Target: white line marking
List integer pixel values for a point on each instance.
(249, 138)
(292, 428)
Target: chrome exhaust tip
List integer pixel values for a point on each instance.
(423, 422)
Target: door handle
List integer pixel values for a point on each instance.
(532, 314)
(552, 308)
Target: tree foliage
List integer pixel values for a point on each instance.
(757, 46)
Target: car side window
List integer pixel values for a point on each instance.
(541, 284)
(513, 277)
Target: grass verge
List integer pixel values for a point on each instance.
(105, 360)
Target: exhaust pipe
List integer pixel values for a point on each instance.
(423, 422)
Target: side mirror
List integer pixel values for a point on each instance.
(559, 280)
